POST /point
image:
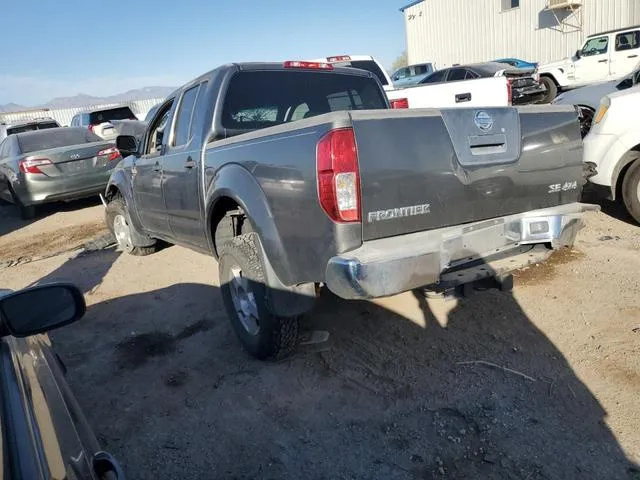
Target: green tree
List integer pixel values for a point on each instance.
(400, 62)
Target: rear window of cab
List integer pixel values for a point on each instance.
(289, 95)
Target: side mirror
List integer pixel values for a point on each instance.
(40, 309)
(578, 53)
(127, 144)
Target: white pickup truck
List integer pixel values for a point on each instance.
(612, 148)
(603, 56)
(488, 84)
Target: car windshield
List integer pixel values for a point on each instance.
(368, 65)
(120, 113)
(284, 96)
(31, 126)
(54, 138)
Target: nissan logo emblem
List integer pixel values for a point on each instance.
(483, 120)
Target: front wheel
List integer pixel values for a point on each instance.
(552, 89)
(118, 222)
(26, 212)
(631, 189)
(242, 281)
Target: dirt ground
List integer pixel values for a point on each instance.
(540, 383)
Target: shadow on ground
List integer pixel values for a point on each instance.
(10, 220)
(615, 209)
(169, 391)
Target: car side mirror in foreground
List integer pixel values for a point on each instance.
(127, 144)
(578, 53)
(40, 309)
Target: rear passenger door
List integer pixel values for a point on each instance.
(181, 168)
(624, 56)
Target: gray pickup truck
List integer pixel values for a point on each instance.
(297, 175)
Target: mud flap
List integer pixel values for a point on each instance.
(283, 300)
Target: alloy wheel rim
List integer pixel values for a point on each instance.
(244, 301)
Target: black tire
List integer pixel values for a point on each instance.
(552, 89)
(117, 207)
(26, 212)
(276, 337)
(631, 189)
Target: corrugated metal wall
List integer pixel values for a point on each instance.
(464, 31)
(64, 115)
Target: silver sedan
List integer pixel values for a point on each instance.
(55, 164)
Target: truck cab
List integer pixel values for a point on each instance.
(603, 56)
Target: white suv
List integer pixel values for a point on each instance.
(613, 147)
(603, 56)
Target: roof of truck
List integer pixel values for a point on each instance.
(614, 30)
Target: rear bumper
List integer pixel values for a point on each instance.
(32, 191)
(526, 95)
(453, 255)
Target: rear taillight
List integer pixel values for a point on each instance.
(311, 65)
(31, 165)
(509, 91)
(339, 175)
(400, 103)
(112, 153)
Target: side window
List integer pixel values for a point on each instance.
(595, 46)
(471, 75)
(183, 116)
(299, 112)
(403, 73)
(158, 128)
(456, 74)
(435, 77)
(627, 41)
(199, 111)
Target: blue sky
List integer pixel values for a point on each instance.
(65, 47)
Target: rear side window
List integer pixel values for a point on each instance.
(435, 77)
(55, 138)
(120, 113)
(183, 116)
(288, 95)
(368, 65)
(456, 74)
(627, 41)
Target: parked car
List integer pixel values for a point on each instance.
(54, 164)
(297, 174)
(603, 56)
(45, 434)
(481, 85)
(100, 122)
(20, 126)
(587, 99)
(364, 62)
(612, 148)
(411, 75)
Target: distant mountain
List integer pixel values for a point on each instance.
(82, 100)
(11, 107)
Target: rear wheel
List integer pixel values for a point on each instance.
(26, 212)
(117, 219)
(552, 89)
(631, 189)
(242, 280)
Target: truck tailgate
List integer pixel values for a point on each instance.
(425, 169)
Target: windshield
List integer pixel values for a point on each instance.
(291, 95)
(31, 126)
(55, 138)
(368, 65)
(121, 113)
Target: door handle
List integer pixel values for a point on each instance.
(632, 56)
(463, 97)
(603, 61)
(157, 167)
(189, 164)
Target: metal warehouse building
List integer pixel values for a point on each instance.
(463, 31)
